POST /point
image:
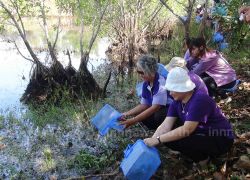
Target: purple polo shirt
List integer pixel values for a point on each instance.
(200, 86)
(155, 95)
(192, 63)
(203, 109)
(216, 66)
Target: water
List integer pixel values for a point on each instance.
(14, 76)
(23, 140)
(15, 70)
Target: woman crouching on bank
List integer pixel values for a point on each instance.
(205, 132)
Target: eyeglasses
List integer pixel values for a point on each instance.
(140, 72)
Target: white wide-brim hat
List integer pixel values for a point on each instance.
(178, 80)
(176, 62)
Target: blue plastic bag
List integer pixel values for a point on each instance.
(218, 37)
(198, 19)
(223, 46)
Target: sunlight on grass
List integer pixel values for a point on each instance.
(46, 163)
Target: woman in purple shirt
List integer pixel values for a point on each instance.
(212, 67)
(205, 132)
(153, 107)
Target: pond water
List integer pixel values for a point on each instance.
(15, 70)
(21, 139)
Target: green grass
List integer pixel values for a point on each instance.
(47, 163)
(1, 122)
(50, 114)
(85, 160)
(66, 110)
(108, 155)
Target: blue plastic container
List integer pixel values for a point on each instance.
(223, 46)
(162, 70)
(140, 161)
(107, 118)
(218, 37)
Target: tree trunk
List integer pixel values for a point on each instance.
(203, 23)
(86, 81)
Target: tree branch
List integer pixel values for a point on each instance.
(203, 23)
(182, 4)
(21, 52)
(57, 33)
(106, 84)
(46, 32)
(67, 53)
(82, 27)
(94, 35)
(154, 14)
(19, 16)
(34, 57)
(171, 10)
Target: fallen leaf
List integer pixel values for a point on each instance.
(245, 135)
(248, 150)
(2, 146)
(218, 176)
(243, 163)
(52, 177)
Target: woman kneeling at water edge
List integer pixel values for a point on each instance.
(153, 107)
(204, 133)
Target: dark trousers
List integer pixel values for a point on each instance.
(200, 147)
(213, 90)
(155, 120)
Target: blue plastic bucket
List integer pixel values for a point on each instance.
(107, 118)
(140, 161)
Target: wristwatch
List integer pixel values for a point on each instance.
(158, 137)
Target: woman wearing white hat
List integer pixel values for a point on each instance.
(180, 62)
(205, 132)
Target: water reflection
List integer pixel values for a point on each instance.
(14, 73)
(15, 70)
